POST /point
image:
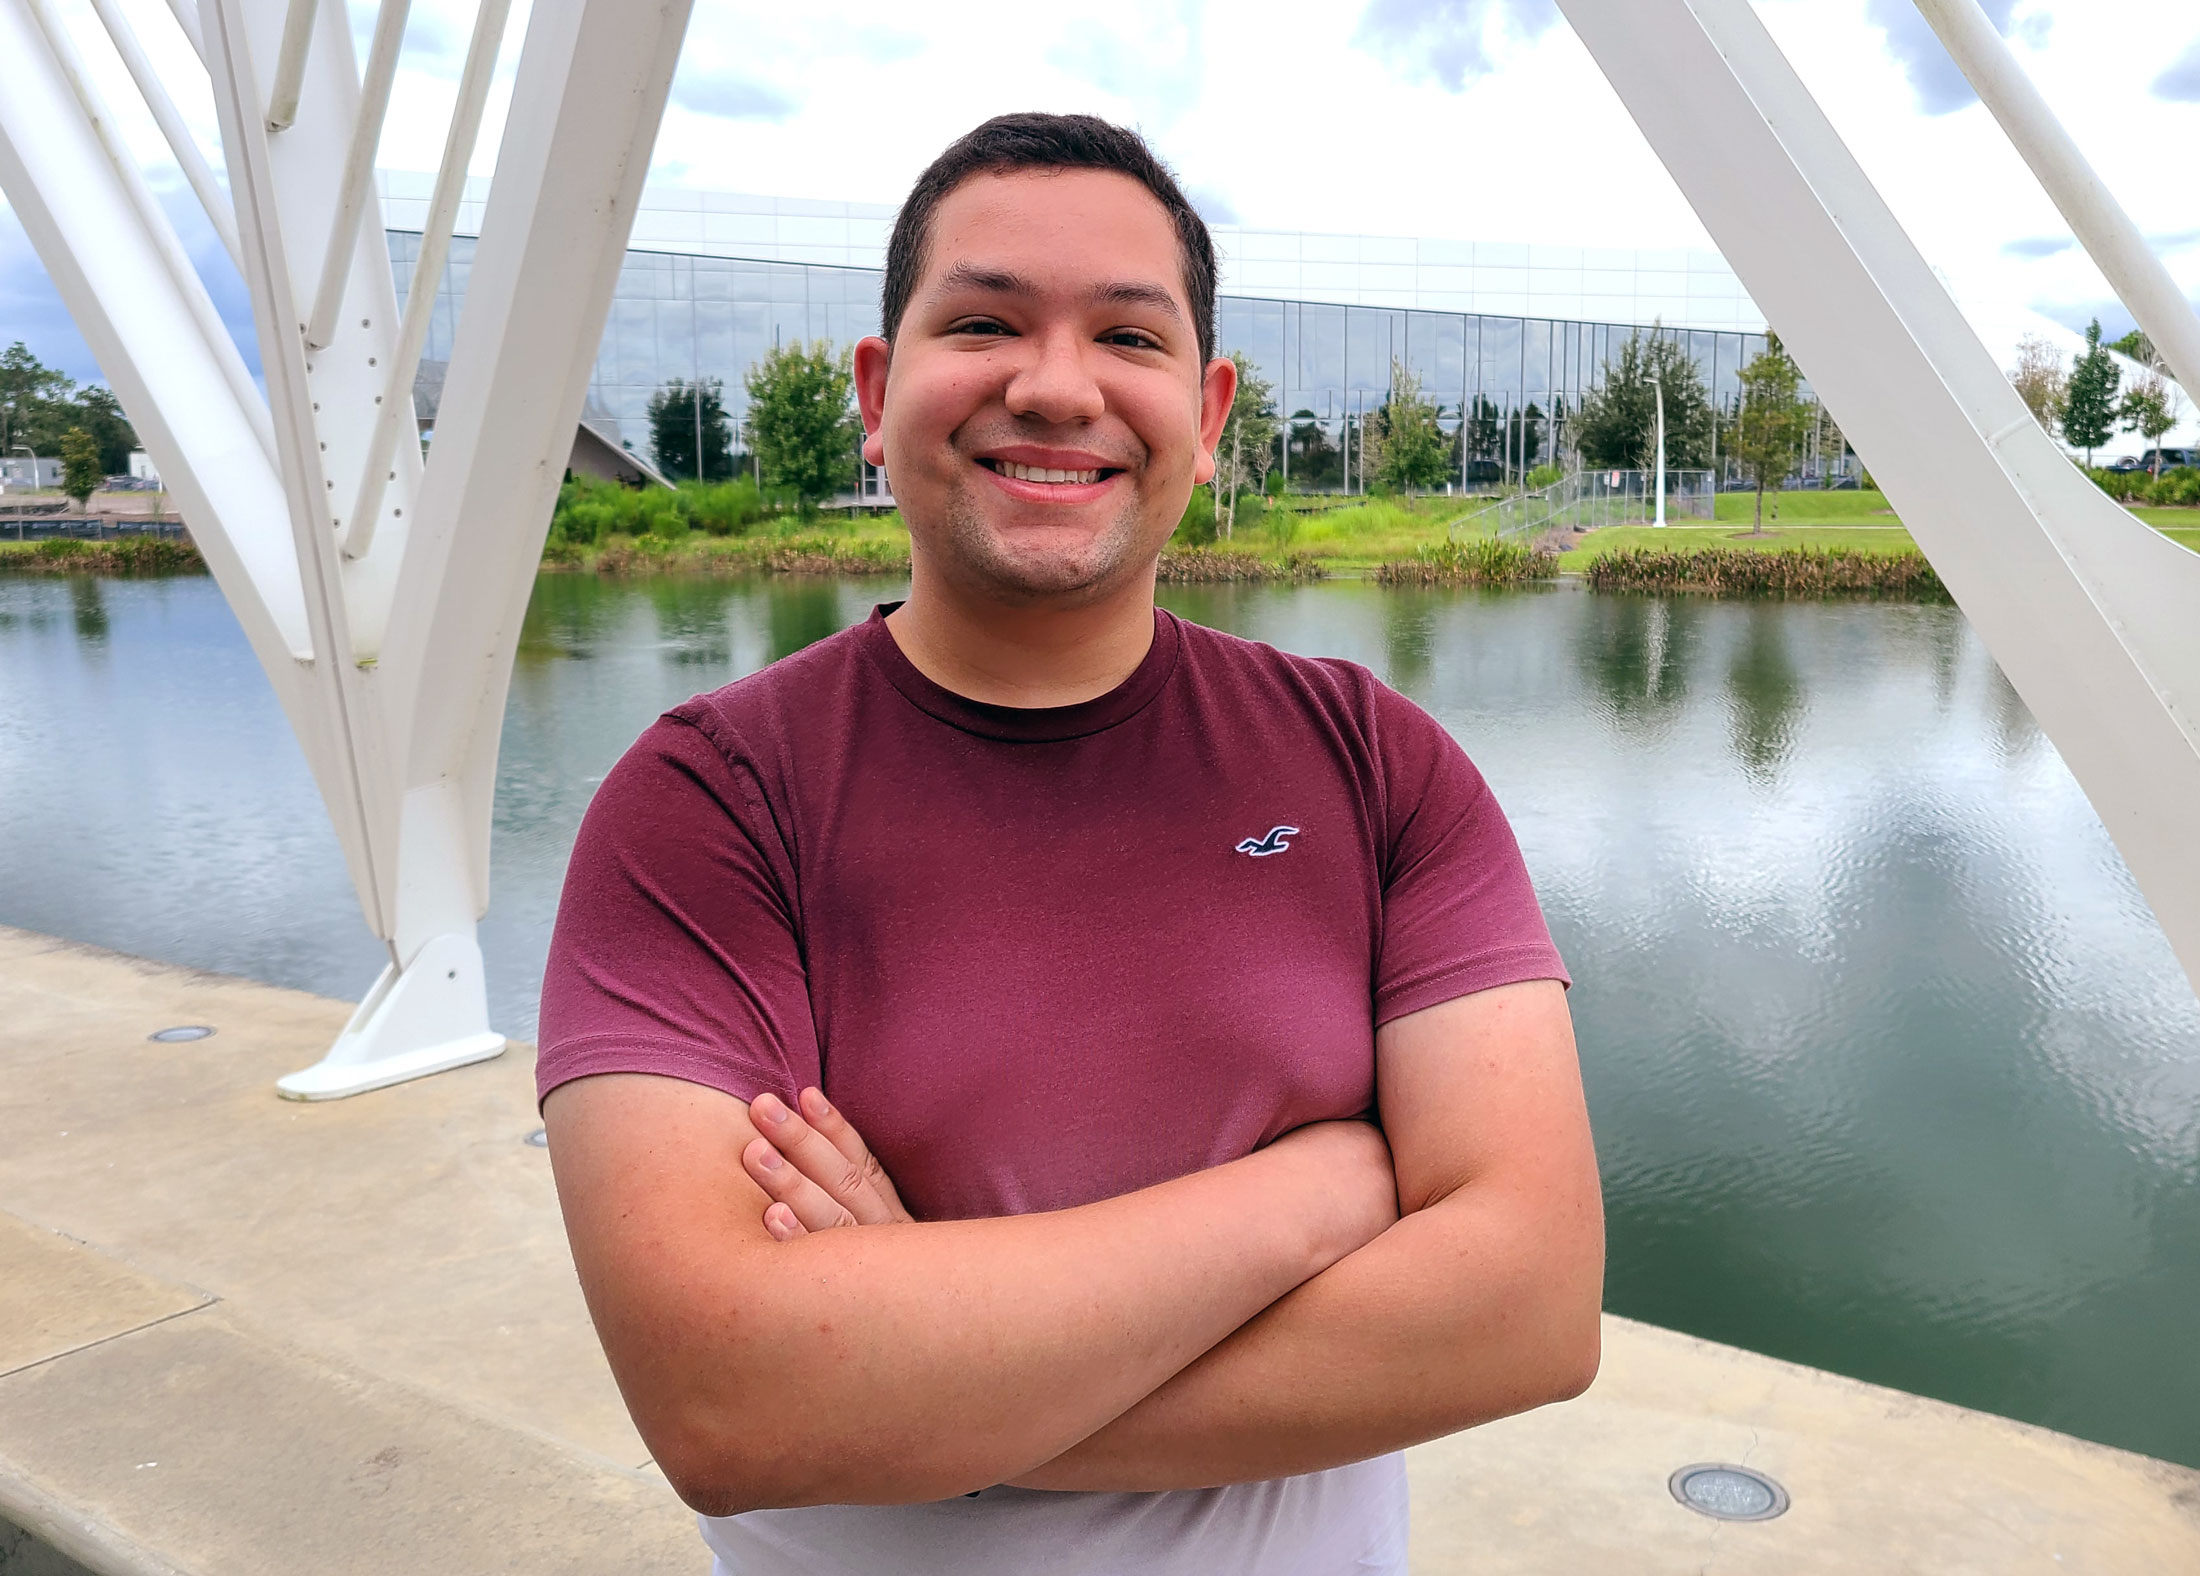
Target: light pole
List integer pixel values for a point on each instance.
(24, 448)
(1657, 388)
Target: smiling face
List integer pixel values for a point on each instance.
(1043, 412)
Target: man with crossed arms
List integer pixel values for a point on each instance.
(1036, 1085)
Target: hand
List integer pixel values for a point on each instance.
(816, 1168)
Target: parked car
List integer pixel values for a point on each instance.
(2171, 458)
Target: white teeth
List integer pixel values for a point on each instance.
(1040, 473)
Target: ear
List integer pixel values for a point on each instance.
(1217, 391)
(873, 357)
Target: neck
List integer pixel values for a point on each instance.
(1027, 654)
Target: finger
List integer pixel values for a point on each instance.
(780, 1222)
(811, 1205)
(841, 1133)
(807, 1150)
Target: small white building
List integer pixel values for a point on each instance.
(142, 468)
(20, 473)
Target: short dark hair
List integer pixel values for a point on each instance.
(1030, 141)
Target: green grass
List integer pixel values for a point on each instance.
(1860, 506)
(1350, 537)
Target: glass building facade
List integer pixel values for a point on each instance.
(1511, 381)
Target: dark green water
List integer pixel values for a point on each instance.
(1892, 1071)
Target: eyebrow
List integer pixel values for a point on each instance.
(1001, 281)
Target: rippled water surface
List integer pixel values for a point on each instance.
(1892, 1071)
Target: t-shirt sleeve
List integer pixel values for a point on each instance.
(677, 949)
(1459, 913)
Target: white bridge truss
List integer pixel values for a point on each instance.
(384, 594)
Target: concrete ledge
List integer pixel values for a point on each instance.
(245, 1337)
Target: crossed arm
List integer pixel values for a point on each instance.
(1317, 1302)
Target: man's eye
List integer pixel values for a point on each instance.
(1131, 339)
(979, 326)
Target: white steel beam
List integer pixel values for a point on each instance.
(356, 186)
(290, 63)
(396, 419)
(593, 78)
(189, 159)
(389, 638)
(2090, 613)
(140, 306)
(2094, 215)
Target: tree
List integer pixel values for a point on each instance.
(801, 422)
(2138, 347)
(1248, 444)
(2040, 381)
(1617, 423)
(1407, 450)
(1773, 422)
(688, 431)
(2151, 409)
(27, 386)
(80, 470)
(38, 404)
(2089, 406)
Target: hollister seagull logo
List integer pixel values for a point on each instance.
(1273, 843)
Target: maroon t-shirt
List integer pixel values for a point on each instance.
(1039, 957)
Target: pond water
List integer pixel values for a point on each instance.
(1892, 1071)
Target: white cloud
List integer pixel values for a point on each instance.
(1467, 119)
(1450, 42)
(730, 97)
(2180, 84)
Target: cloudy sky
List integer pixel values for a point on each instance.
(1472, 119)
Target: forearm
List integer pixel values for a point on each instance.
(1449, 1319)
(912, 1362)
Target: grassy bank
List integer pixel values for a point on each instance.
(1469, 561)
(123, 555)
(1218, 565)
(1792, 572)
(818, 548)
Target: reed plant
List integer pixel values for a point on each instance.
(1470, 561)
(122, 555)
(1788, 572)
(1214, 566)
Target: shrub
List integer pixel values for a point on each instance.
(724, 508)
(1544, 476)
(1197, 528)
(2179, 488)
(1470, 561)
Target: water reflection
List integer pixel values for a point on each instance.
(1638, 651)
(1764, 692)
(88, 610)
(1890, 1069)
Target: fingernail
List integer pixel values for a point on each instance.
(769, 1159)
(816, 1101)
(770, 1108)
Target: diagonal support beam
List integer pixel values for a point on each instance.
(593, 78)
(140, 306)
(2094, 215)
(2088, 611)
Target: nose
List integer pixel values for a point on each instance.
(1056, 384)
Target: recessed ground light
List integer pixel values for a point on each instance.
(1728, 1493)
(181, 1032)
(540, 1138)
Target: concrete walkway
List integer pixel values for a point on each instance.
(243, 1337)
